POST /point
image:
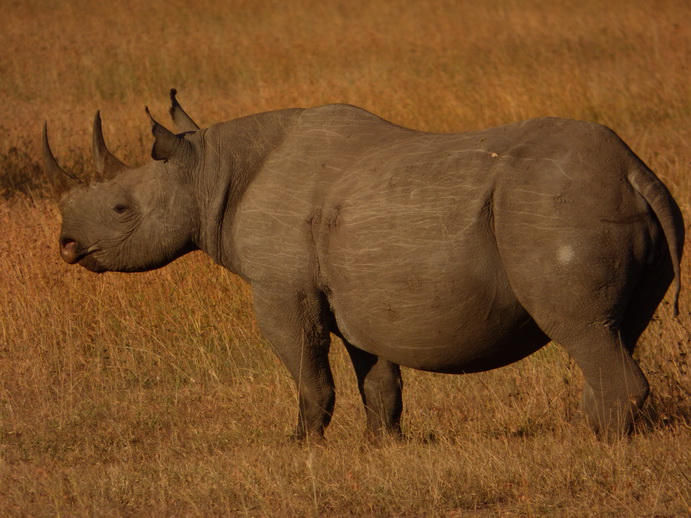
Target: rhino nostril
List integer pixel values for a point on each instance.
(67, 243)
(69, 247)
(70, 250)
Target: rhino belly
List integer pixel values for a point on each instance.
(453, 326)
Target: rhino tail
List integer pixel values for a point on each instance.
(668, 214)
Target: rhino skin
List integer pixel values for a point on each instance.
(451, 253)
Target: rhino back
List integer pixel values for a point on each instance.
(341, 163)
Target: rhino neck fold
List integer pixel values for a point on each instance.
(232, 153)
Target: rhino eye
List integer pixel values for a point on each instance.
(120, 208)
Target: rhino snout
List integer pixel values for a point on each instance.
(71, 250)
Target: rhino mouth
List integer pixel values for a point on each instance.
(91, 263)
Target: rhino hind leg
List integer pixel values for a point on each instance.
(615, 387)
(380, 386)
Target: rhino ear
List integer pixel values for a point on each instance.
(167, 145)
(183, 121)
(58, 177)
(106, 164)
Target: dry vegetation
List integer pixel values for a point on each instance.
(154, 394)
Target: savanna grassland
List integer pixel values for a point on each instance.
(155, 395)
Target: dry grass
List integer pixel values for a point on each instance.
(124, 395)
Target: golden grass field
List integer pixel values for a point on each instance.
(154, 394)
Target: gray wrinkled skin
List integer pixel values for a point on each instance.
(443, 252)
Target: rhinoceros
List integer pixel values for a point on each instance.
(451, 253)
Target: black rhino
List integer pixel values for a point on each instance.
(450, 253)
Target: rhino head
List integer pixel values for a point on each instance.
(129, 218)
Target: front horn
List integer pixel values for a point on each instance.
(106, 164)
(56, 174)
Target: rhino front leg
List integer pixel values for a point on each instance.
(380, 385)
(296, 325)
